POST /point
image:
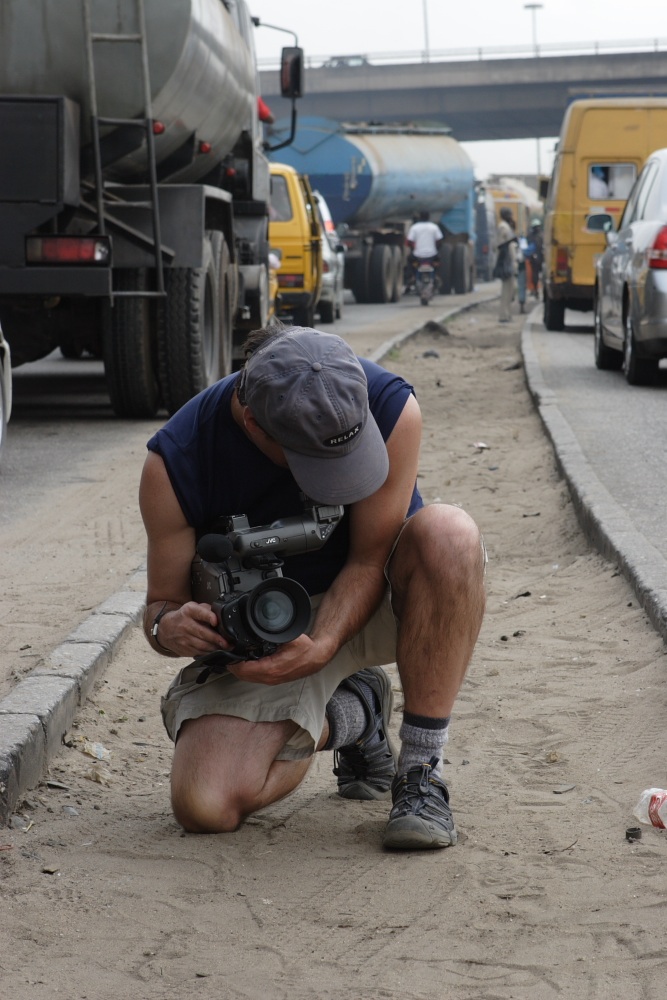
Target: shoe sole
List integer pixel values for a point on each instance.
(410, 833)
(363, 790)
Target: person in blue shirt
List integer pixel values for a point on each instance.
(397, 581)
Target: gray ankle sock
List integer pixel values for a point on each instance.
(347, 716)
(421, 739)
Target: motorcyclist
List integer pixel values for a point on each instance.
(424, 239)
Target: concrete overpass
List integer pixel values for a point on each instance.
(510, 98)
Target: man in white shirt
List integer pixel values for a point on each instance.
(424, 238)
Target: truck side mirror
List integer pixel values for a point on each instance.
(291, 72)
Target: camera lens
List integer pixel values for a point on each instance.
(277, 610)
(273, 611)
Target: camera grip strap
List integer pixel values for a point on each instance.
(216, 663)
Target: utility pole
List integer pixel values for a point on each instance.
(426, 45)
(533, 8)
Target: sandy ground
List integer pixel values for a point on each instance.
(558, 728)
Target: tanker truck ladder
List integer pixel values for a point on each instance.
(104, 199)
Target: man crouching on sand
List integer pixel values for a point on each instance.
(396, 581)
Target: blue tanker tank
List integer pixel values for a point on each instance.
(369, 174)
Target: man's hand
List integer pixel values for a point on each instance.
(293, 660)
(190, 631)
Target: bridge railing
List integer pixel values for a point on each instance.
(550, 49)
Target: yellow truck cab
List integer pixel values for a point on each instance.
(294, 229)
(602, 146)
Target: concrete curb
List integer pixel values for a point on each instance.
(400, 338)
(37, 713)
(604, 522)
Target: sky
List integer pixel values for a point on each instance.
(344, 27)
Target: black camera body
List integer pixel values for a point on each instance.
(239, 573)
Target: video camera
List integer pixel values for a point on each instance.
(239, 573)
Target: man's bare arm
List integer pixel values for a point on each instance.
(374, 524)
(187, 628)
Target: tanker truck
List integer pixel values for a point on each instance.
(376, 179)
(134, 189)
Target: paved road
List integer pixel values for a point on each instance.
(611, 443)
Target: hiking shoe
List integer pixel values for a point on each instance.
(420, 818)
(363, 771)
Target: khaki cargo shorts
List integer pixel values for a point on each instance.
(303, 701)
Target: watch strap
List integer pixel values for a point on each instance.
(156, 624)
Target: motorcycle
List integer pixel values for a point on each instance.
(425, 282)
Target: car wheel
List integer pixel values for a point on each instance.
(605, 358)
(339, 302)
(554, 313)
(326, 311)
(638, 371)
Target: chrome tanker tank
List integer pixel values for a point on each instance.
(369, 174)
(201, 71)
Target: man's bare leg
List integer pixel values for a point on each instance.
(224, 768)
(437, 577)
(437, 574)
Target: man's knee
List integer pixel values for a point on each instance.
(206, 795)
(203, 808)
(439, 540)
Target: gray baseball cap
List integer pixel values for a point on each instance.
(308, 391)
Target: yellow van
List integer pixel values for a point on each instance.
(294, 230)
(602, 146)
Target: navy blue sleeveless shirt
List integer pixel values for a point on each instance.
(216, 471)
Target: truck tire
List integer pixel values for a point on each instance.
(554, 312)
(128, 349)
(445, 254)
(189, 342)
(304, 316)
(258, 301)
(226, 280)
(380, 273)
(356, 275)
(356, 279)
(397, 276)
(4, 406)
(71, 349)
(460, 268)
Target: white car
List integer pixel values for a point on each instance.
(630, 300)
(330, 304)
(5, 389)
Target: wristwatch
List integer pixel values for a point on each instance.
(156, 624)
